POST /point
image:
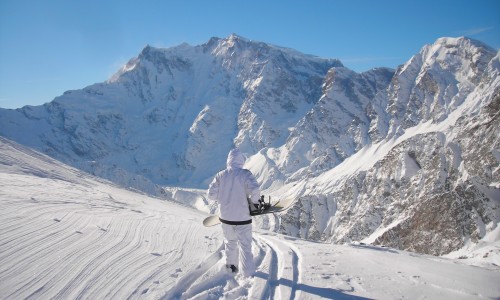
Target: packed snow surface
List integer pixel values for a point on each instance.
(65, 234)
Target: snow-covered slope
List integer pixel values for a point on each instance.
(65, 234)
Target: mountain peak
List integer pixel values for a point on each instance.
(232, 41)
(146, 50)
(450, 49)
(236, 37)
(461, 41)
(447, 52)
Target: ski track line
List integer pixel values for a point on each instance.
(107, 244)
(213, 282)
(263, 287)
(284, 269)
(278, 258)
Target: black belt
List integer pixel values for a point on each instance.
(235, 222)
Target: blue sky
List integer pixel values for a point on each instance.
(48, 47)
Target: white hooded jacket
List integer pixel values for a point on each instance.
(232, 187)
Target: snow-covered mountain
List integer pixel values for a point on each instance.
(432, 183)
(170, 116)
(65, 234)
(407, 157)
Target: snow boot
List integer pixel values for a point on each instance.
(233, 268)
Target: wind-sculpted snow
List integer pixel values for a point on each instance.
(65, 234)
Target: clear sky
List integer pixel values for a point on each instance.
(48, 47)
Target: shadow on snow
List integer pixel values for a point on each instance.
(327, 293)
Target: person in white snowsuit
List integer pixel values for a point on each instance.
(233, 188)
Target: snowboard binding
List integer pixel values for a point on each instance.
(261, 206)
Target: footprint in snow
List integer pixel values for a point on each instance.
(176, 274)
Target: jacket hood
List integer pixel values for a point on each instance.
(235, 159)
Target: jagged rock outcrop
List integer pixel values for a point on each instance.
(431, 185)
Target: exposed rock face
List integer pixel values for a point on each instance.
(437, 186)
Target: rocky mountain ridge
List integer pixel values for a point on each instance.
(432, 184)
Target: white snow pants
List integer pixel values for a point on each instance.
(239, 235)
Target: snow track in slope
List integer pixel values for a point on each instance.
(280, 270)
(68, 235)
(277, 277)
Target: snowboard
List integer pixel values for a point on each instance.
(280, 205)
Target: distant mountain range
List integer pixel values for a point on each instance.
(407, 158)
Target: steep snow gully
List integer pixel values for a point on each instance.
(65, 234)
